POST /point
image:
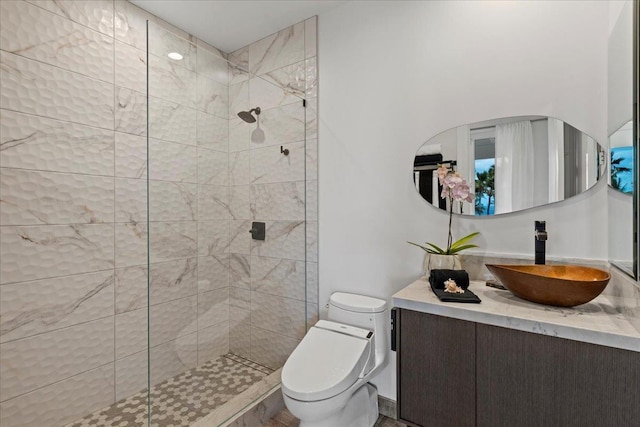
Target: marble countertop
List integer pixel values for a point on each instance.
(596, 322)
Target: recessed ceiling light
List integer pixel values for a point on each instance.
(175, 55)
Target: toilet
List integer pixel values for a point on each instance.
(325, 380)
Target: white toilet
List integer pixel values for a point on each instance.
(325, 380)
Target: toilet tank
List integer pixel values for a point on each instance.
(364, 312)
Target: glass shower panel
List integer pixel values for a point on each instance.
(225, 308)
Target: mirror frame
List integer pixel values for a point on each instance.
(636, 145)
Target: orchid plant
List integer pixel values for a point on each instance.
(455, 189)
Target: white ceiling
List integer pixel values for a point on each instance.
(230, 25)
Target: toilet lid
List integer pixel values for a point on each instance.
(324, 364)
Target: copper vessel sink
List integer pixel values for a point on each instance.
(559, 285)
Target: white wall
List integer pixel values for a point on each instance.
(395, 74)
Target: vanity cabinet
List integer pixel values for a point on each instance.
(436, 370)
(459, 373)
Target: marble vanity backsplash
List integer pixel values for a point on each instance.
(622, 291)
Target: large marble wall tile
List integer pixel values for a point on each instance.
(213, 237)
(173, 358)
(213, 202)
(130, 156)
(172, 201)
(173, 319)
(131, 67)
(130, 24)
(240, 271)
(277, 314)
(34, 142)
(32, 32)
(213, 167)
(37, 88)
(95, 14)
(277, 50)
(284, 239)
(239, 134)
(173, 240)
(312, 159)
(269, 165)
(212, 132)
(310, 36)
(279, 277)
(173, 280)
(131, 244)
(131, 288)
(239, 298)
(169, 161)
(212, 65)
(131, 112)
(282, 125)
(31, 308)
(312, 282)
(131, 332)
(239, 65)
(172, 122)
(240, 202)
(213, 272)
(284, 200)
(240, 332)
(213, 342)
(240, 168)
(34, 362)
(312, 118)
(212, 97)
(240, 238)
(312, 200)
(312, 241)
(131, 200)
(311, 79)
(62, 402)
(164, 38)
(210, 49)
(279, 87)
(34, 198)
(37, 252)
(131, 375)
(213, 308)
(271, 349)
(239, 98)
(313, 314)
(172, 82)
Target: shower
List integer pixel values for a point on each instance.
(257, 136)
(247, 116)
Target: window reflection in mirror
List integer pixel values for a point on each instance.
(621, 170)
(514, 163)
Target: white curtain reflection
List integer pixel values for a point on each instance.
(514, 167)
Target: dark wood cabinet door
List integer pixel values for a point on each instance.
(526, 379)
(436, 370)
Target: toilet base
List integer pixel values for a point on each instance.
(360, 411)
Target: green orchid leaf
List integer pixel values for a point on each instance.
(464, 240)
(436, 249)
(461, 248)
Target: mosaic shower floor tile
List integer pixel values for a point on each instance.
(183, 399)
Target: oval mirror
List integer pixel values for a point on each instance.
(514, 163)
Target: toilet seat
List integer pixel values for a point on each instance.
(324, 364)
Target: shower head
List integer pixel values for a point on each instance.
(247, 116)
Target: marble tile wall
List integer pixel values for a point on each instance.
(73, 203)
(273, 293)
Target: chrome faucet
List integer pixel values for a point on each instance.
(540, 241)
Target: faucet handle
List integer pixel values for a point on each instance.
(541, 235)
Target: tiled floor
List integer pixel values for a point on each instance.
(285, 419)
(181, 400)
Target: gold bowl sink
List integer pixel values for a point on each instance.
(559, 285)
